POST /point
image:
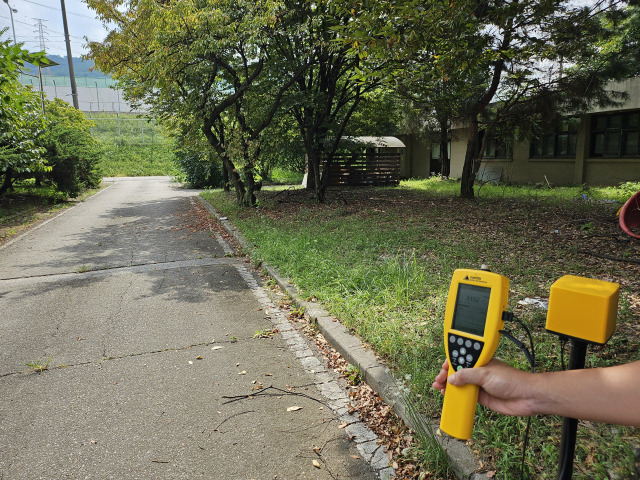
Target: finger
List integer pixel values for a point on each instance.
(467, 375)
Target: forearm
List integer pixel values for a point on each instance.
(609, 395)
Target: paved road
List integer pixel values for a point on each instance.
(149, 331)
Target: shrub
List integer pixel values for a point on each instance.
(201, 169)
(71, 151)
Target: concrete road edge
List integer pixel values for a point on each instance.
(379, 377)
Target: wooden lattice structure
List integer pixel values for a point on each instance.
(367, 161)
(365, 169)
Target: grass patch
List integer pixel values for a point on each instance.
(286, 177)
(381, 260)
(27, 203)
(138, 161)
(133, 146)
(39, 366)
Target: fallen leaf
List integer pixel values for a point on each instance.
(217, 348)
(317, 450)
(491, 474)
(316, 464)
(295, 408)
(355, 457)
(190, 362)
(342, 425)
(243, 372)
(199, 357)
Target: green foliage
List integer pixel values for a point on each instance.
(39, 366)
(281, 148)
(207, 62)
(378, 113)
(21, 120)
(286, 177)
(201, 169)
(71, 151)
(627, 189)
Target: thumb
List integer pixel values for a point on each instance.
(464, 376)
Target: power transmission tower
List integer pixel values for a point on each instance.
(41, 35)
(41, 32)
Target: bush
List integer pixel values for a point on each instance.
(201, 169)
(71, 151)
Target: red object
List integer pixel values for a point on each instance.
(630, 216)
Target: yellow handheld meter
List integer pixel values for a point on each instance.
(472, 324)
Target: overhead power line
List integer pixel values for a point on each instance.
(58, 9)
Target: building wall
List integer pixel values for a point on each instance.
(521, 168)
(416, 160)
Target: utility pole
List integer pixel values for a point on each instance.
(72, 76)
(13, 27)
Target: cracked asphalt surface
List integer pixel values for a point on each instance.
(154, 369)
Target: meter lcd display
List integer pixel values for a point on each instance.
(470, 314)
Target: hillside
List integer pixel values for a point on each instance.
(81, 68)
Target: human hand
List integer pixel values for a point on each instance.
(503, 389)
(440, 382)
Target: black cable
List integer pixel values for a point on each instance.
(563, 346)
(531, 357)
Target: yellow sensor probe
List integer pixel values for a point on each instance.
(472, 324)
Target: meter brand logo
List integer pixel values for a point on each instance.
(473, 278)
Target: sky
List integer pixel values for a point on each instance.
(80, 18)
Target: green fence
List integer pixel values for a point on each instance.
(64, 81)
(126, 129)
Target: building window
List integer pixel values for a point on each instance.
(559, 142)
(494, 147)
(615, 135)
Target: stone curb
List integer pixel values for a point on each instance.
(462, 461)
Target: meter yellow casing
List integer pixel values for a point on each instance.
(583, 308)
(472, 324)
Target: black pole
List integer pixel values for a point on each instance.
(570, 425)
(72, 77)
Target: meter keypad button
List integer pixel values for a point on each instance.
(463, 352)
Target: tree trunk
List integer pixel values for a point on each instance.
(445, 163)
(249, 197)
(225, 178)
(8, 181)
(470, 167)
(236, 181)
(311, 178)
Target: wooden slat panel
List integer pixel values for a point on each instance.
(371, 169)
